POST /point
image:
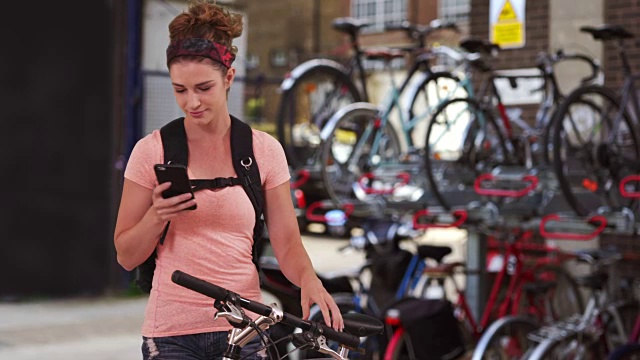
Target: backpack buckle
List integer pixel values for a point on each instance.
(223, 182)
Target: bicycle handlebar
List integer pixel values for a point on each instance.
(546, 60)
(216, 292)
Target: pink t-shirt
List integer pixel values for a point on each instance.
(212, 242)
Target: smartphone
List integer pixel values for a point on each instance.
(179, 178)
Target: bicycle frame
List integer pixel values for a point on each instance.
(628, 92)
(392, 101)
(551, 98)
(518, 266)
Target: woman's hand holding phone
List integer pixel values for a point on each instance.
(173, 194)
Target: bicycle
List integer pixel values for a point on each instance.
(314, 90)
(507, 336)
(360, 138)
(604, 324)
(538, 286)
(231, 306)
(595, 139)
(469, 137)
(390, 272)
(630, 350)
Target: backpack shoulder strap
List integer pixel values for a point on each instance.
(246, 167)
(174, 142)
(176, 150)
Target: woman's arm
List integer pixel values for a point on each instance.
(142, 216)
(292, 257)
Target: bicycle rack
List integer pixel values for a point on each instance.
(370, 186)
(302, 176)
(555, 226)
(623, 189)
(327, 206)
(424, 219)
(531, 180)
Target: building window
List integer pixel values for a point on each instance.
(456, 11)
(379, 12)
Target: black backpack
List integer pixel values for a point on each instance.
(176, 151)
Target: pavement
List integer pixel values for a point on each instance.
(108, 328)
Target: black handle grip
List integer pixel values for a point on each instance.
(216, 292)
(199, 285)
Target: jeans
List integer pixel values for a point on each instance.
(205, 346)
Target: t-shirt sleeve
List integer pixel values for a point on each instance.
(146, 153)
(271, 160)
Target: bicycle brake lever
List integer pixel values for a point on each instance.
(305, 340)
(235, 316)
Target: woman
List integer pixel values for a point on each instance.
(214, 241)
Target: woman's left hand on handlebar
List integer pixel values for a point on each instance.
(314, 293)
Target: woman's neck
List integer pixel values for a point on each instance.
(216, 130)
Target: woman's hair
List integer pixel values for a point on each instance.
(207, 20)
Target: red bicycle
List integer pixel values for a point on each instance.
(531, 281)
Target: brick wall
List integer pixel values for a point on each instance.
(626, 14)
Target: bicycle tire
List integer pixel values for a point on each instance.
(589, 173)
(306, 106)
(625, 352)
(568, 347)
(514, 330)
(346, 146)
(457, 151)
(431, 91)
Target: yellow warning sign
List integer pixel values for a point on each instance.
(508, 34)
(507, 23)
(507, 12)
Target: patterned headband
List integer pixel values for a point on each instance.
(200, 47)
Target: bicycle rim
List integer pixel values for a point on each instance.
(433, 91)
(305, 108)
(505, 340)
(589, 161)
(573, 347)
(462, 142)
(347, 153)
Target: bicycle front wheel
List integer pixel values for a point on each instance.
(356, 144)
(595, 145)
(463, 142)
(505, 338)
(432, 91)
(306, 107)
(576, 346)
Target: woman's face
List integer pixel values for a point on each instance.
(200, 89)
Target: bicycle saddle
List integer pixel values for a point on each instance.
(607, 32)
(350, 25)
(436, 253)
(383, 54)
(473, 44)
(361, 325)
